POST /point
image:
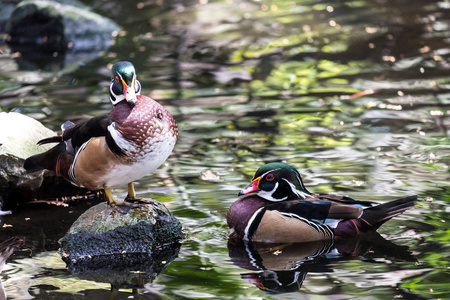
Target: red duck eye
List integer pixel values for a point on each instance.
(117, 79)
(270, 177)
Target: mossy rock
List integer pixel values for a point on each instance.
(103, 231)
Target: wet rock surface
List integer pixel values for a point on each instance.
(103, 231)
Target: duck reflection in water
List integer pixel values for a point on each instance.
(282, 268)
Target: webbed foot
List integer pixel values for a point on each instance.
(131, 196)
(125, 207)
(120, 206)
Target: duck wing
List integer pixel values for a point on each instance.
(321, 207)
(81, 133)
(73, 136)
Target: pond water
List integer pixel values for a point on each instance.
(355, 94)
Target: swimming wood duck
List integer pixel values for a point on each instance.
(117, 148)
(277, 208)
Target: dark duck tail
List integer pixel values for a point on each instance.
(57, 159)
(373, 217)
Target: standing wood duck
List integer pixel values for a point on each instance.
(277, 208)
(131, 141)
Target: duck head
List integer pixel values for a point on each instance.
(277, 182)
(124, 85)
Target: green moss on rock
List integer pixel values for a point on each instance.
(102, 230)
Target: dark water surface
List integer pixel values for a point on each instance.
(355, 94)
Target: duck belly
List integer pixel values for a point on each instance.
(141, 162)
(96, 167)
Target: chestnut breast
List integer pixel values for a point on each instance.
(144, 124)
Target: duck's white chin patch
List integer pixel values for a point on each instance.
(268, 194)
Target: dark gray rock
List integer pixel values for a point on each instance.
(59, 25)
(8, 6)
(103, 231)
(48, 34)
(125, 250)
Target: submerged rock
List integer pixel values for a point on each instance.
(102, 233)
(57, 26)
(47, 33)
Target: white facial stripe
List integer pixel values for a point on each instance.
(121, 96)
(300, 180)
(140, 87)
(273, 277)
(118, 97)
(268, 194)
(295, 191)
(268, 172)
